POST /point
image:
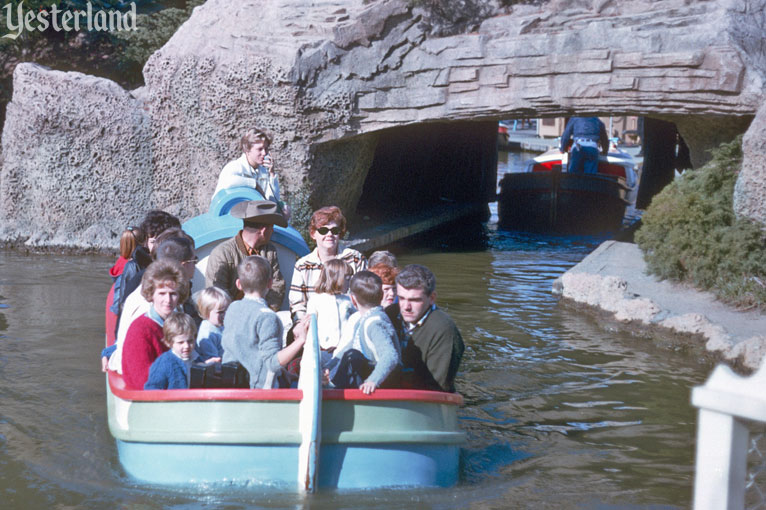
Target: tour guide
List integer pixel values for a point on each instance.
(587, 133)
(259, 218)
(431, 343)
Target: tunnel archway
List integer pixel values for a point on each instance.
(424, 165)
(420, 166)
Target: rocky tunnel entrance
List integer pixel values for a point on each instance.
(420, 167)
(665, 152)
(426, 165)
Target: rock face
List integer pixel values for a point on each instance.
(750, 190)
(614, 279)
(325, 77)
(77, 163)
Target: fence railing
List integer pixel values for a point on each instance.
(731, 441)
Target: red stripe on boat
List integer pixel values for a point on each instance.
(117, 385)
(408, 395)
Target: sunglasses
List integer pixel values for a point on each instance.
(324, 230)
(191, 261)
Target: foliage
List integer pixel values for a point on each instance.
(690, 233)
(154, 30)
(300, 210)
(450, 17)
(119, 56)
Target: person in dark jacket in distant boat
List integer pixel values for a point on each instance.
(587, 133)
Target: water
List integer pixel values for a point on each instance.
(562, 410)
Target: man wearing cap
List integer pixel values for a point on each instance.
(259, 217)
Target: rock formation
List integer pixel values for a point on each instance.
(82, 157)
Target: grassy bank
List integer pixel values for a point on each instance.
(690, 233)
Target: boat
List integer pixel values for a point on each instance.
(503, 129)
(297, 439)
(546, 198)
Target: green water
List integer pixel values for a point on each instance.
(562, 410)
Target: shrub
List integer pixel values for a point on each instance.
(690, 233)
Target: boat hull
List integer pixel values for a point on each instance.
(286, 438)
(393, 438)
(561, 202)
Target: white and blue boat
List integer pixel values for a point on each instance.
(292, 439)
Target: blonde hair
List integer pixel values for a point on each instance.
(332, 279)
(178, 324)
(211, 298)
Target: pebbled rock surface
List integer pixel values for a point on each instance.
(750, 189)
(77, 165)
(613, 278)
(82, 157)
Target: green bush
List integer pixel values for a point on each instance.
(690, 233)
(154, 30)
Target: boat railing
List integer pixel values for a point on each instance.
(117, 386)
(731, 441)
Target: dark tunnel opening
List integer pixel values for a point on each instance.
(427, 165)
(421, 167)
(664, 151)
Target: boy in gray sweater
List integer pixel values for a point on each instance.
(372, 354)
(252, 333)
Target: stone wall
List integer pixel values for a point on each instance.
(82, 157)
(77, 162)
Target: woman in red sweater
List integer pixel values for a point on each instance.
(164, 285)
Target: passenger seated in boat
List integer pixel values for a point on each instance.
(371, 357)
(387, 274)
(327, 227)
(252, 332)
(254, 169)
(258, 218)
(170, 371)
(131, 238)
(382, 257)
(586, 134)
(330, 303)
(154, 223)
(179, 249)
(165, 285)
(432, 346)
(212, 303)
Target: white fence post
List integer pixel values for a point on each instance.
(721, 465)
(722, 437)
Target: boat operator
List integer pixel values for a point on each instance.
(254, 169)
(587, 133)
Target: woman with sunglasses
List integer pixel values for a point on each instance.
(327, 228)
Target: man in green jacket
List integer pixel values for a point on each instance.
(432, 346)
(259, 217)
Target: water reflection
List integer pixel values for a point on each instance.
(556, 393)
(561, 410)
